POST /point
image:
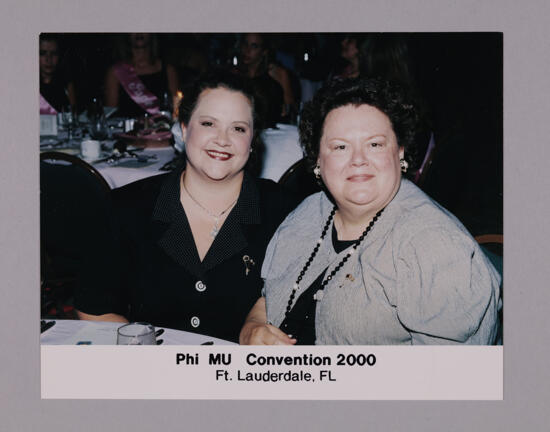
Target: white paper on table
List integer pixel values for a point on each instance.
(48, 125)
(96, 333)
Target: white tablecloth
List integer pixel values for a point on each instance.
(130, 170)
(282, 150)
(70, 332)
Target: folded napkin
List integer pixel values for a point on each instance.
(178, 137)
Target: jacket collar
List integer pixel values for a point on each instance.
(174, 233)
(326, 255)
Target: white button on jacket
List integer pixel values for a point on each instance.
(195, 321)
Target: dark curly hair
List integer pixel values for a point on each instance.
(222, 78)
(389, 98)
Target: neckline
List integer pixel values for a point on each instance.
(340, 245)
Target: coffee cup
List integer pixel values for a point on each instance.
(90, 149)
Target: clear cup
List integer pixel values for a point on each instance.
(98, 128)
(138, 333)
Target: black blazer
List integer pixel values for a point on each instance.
(146, 267)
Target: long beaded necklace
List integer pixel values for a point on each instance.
(216, 217)
(318, 295)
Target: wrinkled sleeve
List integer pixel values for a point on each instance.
(447, 291)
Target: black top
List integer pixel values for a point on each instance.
(55, 93)
(148, 268)
(300, 322)
(156, 83)
(271, 97)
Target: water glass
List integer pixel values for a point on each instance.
(138, 333)
(165, 106)
(98, 128)
(69, 121)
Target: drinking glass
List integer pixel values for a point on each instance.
(138, 333)
(165, 106)
(68, 120)
(95, 109)
(98, 128)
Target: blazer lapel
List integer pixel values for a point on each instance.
(174, 235)
(232, 236)
(172, 230)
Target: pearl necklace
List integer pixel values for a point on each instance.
(216, 217)
(319, 294)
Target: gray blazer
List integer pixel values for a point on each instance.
(417, 278)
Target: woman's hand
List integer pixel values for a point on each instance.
(255, 331)
(110, 317)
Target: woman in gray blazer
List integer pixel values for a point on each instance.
(372, 259)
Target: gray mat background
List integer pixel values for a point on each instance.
(526, 205)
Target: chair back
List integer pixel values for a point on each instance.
(74, 205)
(492, 245)
(422, 173)
(298, 180)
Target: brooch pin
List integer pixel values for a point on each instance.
(349, 277)
(248, 263)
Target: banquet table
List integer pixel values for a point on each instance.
(76, 332)
(130, 170)
(281, 151)
(120, 171)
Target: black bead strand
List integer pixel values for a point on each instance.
(316, 249)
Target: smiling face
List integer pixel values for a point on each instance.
(359, 158)
(219, 135)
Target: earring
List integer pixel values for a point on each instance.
(404, 165)
(317, 171)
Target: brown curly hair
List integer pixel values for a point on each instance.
(389, 98)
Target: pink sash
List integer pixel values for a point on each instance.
(45, 107)
(135, 88)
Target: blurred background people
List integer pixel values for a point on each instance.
(189, 55)
(346, 64)
(269, 78)
(139, 82)
(56, 91)
(387, 57)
